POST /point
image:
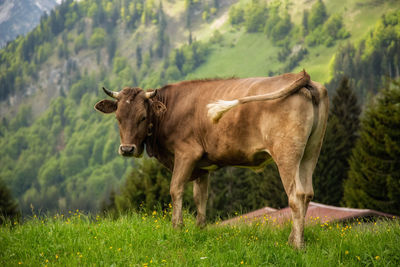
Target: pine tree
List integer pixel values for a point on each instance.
(241, 190)
(374, 176)
(8, 206)
(145, 187)
(138, 56)
(340, 137)
(318, 15)
(304, 23)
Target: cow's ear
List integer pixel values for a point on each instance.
(106, 106)
(158, 107)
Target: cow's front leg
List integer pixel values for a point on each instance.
(183, 167)
(200, 195)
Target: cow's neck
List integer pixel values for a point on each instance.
(153, 141)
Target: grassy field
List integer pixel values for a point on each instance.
(149, 240)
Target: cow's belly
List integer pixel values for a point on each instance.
(255, 161)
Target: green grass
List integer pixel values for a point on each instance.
(252, 54)
(242, 55)
(149, 240)
(316, 63)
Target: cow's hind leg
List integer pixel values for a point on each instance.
(296, 179)
(299, 198)
(200, 195)
(296, 171)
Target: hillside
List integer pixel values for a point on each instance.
(57, 153)
(20, 17)
(246, 54)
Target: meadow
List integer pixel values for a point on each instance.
(141, 239)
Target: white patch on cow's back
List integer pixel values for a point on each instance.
(127, 101)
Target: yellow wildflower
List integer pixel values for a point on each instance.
(377, 257)
(346, 252)
(241, 262)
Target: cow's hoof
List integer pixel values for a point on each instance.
(201, 225)
(201, 222)
(295, 242)
(178, 226)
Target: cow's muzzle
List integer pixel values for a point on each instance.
(127, 150)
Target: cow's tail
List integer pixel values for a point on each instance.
(217, 109)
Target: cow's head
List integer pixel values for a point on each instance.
(134, 110)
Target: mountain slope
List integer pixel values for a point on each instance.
(20, 17)
(252, 54)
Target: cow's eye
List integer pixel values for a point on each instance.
(142, 119)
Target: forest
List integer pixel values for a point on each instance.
(65, 158)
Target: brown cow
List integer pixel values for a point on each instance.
(282, 118)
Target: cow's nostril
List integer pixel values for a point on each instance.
(127, 149)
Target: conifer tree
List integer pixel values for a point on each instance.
(8, 206)
(318, 15)
(241, 190)
(145, 187)
(340, 137)
(374, 176)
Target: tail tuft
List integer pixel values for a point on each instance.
(217, 109)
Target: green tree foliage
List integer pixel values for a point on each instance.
(340, 138)
(8, 206)
(373, 60)
(322, 28)
(304, 22)
(374, 177)
(162, 37)
(97, 38)
(147, 187)
(240, 190)
(255, 16)
(236, 15)
(277, 26)
(18, 59)
(80, 43)
(138, 56)
(318, 15)
(111, 48)
(231, 190)
(67, 157)
(181, 62)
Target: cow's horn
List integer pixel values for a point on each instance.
(111, 93)
(151, 94)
